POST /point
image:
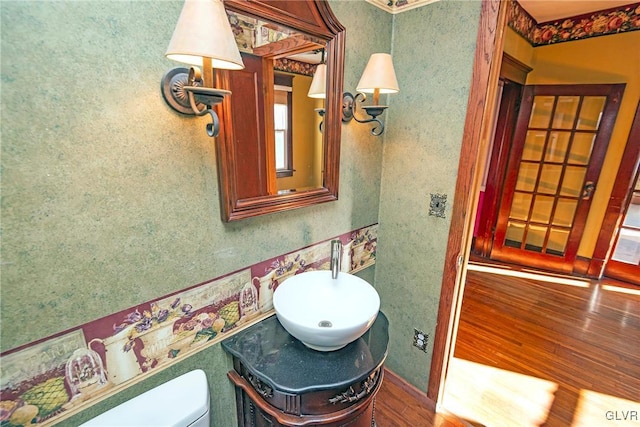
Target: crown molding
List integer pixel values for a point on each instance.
(397, 6)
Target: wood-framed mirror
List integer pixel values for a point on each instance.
(271, 33)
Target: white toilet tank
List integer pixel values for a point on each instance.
(181, 402)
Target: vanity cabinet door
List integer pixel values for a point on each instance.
(255, 417)
(255, 411)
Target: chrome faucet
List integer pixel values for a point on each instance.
(336, 252)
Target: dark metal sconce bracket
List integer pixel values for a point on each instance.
(182, 90)
(349, 106)
(321, 112)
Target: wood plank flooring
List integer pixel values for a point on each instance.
(398, 404)
(532, 352)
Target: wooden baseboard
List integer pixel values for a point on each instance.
(596, 268)
(416, 393)
(581, 266)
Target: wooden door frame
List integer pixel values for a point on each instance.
(618, 201)
(497, 166)
(473, 152)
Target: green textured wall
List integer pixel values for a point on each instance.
(433, 49)
(110, 199)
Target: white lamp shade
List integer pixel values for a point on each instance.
(318, 87)
(379, 74)
(203, 30)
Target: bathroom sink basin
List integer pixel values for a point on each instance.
(324, 313)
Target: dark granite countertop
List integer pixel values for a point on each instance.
(268, 351)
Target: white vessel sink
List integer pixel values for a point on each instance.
(324, 313)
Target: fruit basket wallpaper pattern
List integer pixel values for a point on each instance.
(48, 380)
(610, 21)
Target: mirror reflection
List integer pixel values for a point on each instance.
(272, 154)
(287, 60)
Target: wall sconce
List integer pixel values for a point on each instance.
(318, 88)
(319, 83)
(378, 77)
(203, 38)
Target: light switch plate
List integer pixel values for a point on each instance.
(438, 204)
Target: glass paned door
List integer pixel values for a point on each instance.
(624, 261)
(551, 177)
(627, 249)
(557, 153)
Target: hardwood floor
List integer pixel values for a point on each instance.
(531, 352)
(398, 404)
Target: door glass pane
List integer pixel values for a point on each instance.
(535, 238)
(557, 146)
(565, 114)
(632, 218)
(549, 179)
(591, 112)
(572, 182)
(542, 209)
(541, 111)
(628, 247)
(557, 241)
(527, 176)
(565, 209)
(514, 235)
(581, 148)
(533, 145)
(520, 206)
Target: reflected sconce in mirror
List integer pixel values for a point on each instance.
(318, 88)
(202, 38)
(379, 77)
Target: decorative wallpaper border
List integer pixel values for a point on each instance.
(611, 21)
(296, 67)
(51, 379)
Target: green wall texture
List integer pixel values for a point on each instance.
(433, 50)
(110, 199)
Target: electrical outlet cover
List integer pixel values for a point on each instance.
(420, 340)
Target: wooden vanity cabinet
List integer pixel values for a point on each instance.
(308, 409)
(280, 382)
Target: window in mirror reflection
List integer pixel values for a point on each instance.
(306, 142)
(283, 125)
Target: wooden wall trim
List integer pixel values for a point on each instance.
(514, 70)
(497, 166)
(485, 74)
(581, 266)
(596, 267)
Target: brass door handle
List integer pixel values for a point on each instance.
(588, 190)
